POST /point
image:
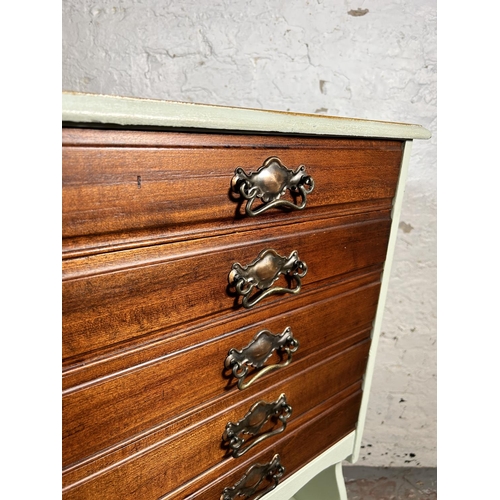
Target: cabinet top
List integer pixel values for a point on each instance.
(100, 110)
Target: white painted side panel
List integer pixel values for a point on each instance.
(396, 213)
(327, 485)
(295, 482)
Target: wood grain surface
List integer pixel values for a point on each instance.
(276, 316)
(194, 449)
(150, 231)
(131, 187)
(313, 434)
(168, 286)
(114, 408)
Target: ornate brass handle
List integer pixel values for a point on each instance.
(253, 478)
(258, 352)
(269, 183)
(263, 272)
(252, 423)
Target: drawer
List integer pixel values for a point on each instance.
(106, 366)
(112, 300)
(191, 446)
(124, 188)
(121, 405)
(317, 431)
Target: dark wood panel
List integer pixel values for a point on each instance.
(80, 246)
(173, 284)
(114, 408)
(150, 231)
(93, 439)
(137, 138)
(85, 370)
(115, 191)
(198, 448)
(296, 449)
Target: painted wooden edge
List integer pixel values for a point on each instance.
(329, 484)
(338, 452)
(127, 111)
(377, 324)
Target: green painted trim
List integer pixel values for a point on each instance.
(126, 111)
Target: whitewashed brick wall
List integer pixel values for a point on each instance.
(369, 59)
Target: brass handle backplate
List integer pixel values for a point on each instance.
(258, 352)
(263, 272)
(269, 183)
(252, 423)
(251, 481)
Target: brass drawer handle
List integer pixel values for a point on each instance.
(269, 183)
(253, 478)
(252, 423)
(258, 352)
(263, 272)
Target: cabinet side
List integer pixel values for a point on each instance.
(367, 381)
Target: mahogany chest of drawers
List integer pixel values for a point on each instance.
(224, 274)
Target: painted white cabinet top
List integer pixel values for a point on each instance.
(127, 111)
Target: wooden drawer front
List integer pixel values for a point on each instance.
(319, 430)
(148, 292)
(142, 186)
(121, 405)
(343, 315)
(188, 448)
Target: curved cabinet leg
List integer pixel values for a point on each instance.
(327, 485)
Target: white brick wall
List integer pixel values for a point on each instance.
(313, 56)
